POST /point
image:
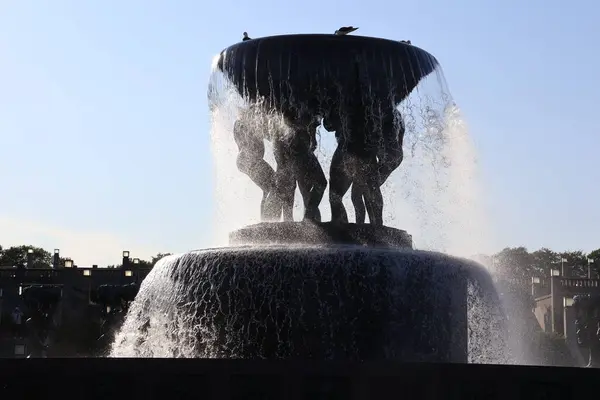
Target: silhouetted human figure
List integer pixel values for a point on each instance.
(250, 159)
(285, 181)
(369, 136)
(390, 154)
(362, 206)
(354, 161)
(297, 164)
(389, 158)
(310, 176)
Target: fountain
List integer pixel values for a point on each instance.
(309, 289)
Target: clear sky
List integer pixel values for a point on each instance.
(104, 124)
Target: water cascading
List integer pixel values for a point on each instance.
(298, 119)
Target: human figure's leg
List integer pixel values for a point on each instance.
(390, 153)
(313, 178)
(250, 161)
(285, 183)
(356, 195)
(339, 183)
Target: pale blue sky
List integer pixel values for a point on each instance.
(104, 124)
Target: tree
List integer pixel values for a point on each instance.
(515, 263)
(16, 256)
(575, 263)
(145, 263)
(594, 256)
(542, 261)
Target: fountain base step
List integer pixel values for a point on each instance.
(324, 233)
(333, 302)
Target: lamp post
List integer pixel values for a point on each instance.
(562, 266)
(125, 258)
(56, 258)
(534, 282)
(29, 258)
(567, 301)
(590, 262)
(68, 263)
(554, 272)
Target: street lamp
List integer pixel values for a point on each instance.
(136, 260)
(567, 301)
(562, 266)
(554, 272)
(128, 273)
(590, 262)
(535, 280)
(87, 272)
(126, 260)
(68, 263)
(56, 259)
(29, 258)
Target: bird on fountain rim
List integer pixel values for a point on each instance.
(344, 30)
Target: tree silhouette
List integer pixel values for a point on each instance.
(16, 256)
(512, 263)
(542, 260)
(575, 263)
(515, 262)
(145, 263)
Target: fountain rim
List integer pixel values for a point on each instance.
(333, 247)
(313, 36)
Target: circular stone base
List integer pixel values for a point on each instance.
(324, 233)
(325, 303)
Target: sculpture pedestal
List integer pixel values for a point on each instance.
(324, 233)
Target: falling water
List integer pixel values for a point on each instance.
(342, 302)
(187, 305)
(434, 194)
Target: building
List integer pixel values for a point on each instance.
(553, 306)
(65, 298)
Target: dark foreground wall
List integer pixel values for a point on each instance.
(229, 379)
